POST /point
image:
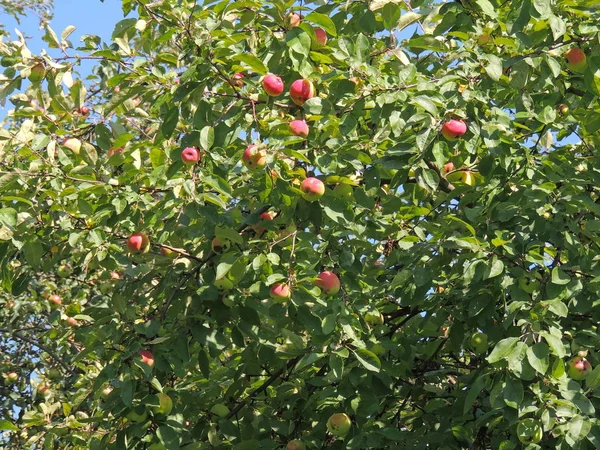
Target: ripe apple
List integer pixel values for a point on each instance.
(293, 20)
(301, 90)
(219, 245)
(168, 252)
(56, 299)
(295, 445)
(38, 72)
(12, 377)
(114, 151)
(453, 129)
(374, 318)
(72, 321)
(579, 368)
(448, 167)
(328, 282)
(339, 424)
(64, 271)
(220, 410)
(190, 156)
(223, 284)
(146, 357)
(259, 230)
(138, 243)
(43, 390)
(299, 128)
(280, 292)
(479, 342)
(84, 110)
(237, 79)
(312, 189)
(138, 414)
(72, 144)
(165, 405)
(321, 37)
(254, 157)
(272, 85)
(576, 59)
(529, 431)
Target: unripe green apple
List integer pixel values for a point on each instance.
(38, 72)
(223, 284)
(339, 424)
(374, 318)
(165, 405)
(529, 431)
(12, 377)
(138, 414)
(343, 190)
(220, 410)
(64, 271)
(479, 342)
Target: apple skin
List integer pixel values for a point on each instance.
(237, 79)
(562, 109)
(114, 151)
(272, 85)
(579, 368)
(328, 282)
(55, 299)
(293, 20)
(448, 167)
(38, 72)
(190, 156)
(343, 190)
(576, 59)
(138, 243)
(138, 414)
(312, 189)
(301, 90)
(339, 424)
(295, 445)
(321, 37)
(220, 410)
(259, 230)
(254, 158)
(529, 431)
(223, 284)
(64, 271)
(72, 321)
(44, 390)
(299, 128)
(146, 357)
(219, 245)
(72, 144)
(84, 110)
(374, 318)
(280, 292)
(168, 253)
(12, 377)
(106, 391)
(479, 343)
(453, 129)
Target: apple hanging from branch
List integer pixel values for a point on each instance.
(301, 90)
(328, 282)
(190, 156)
(453, 129)
(273, 85)
(312, 189)
(138, 243)
(280, 292)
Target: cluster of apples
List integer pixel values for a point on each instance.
(328, 281)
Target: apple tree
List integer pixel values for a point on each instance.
(304, 225)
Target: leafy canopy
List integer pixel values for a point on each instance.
(466, 288)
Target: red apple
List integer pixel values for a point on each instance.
(190, 156)
(295, 445)
(293, 20)
(339, 424)
(72, 321)
(321, 37)
(56, 299)
(312, 189)
(448, 167)
(579, 368)
(576, 59)
(84, 110)
(301, 90)
(259, 230)
(299, 128)
(280, 292)
(453, 129)
(114, 151)
(254, 157)
(43, 389)
(328, 282)
(138, 243)
(147, 357)
(272, 85)
(237, 79)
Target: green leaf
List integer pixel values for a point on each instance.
(487, 8)
(253, 63)
(323, 21)
(555, 343)
(538, 357)
(369, 360)
(493, 67)
(6, 425)
(207, 137)
(513, 392)
(502, 349)
(559, 277)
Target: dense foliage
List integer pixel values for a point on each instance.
(150, 302)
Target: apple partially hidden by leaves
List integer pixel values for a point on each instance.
(258, 229)
(219, 245)
(479, 342)
(254, 157)
(579, 368)
(529, 431)
(146, 357)
(165, 405)
(223, 284)
(374, 318)
(273, 85)
(576, 59)
(12, 377)
(293, 20)
(73, 144)
(138, 414)
(295, 445)
(328, 282)
(168, 252)
(138, 243)
(64, 271)
(321, 36)
(453, 129)
(280, 292)
(301, 90)
(220, 410)
(55, 299)
(38, 72)
(339, 424)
